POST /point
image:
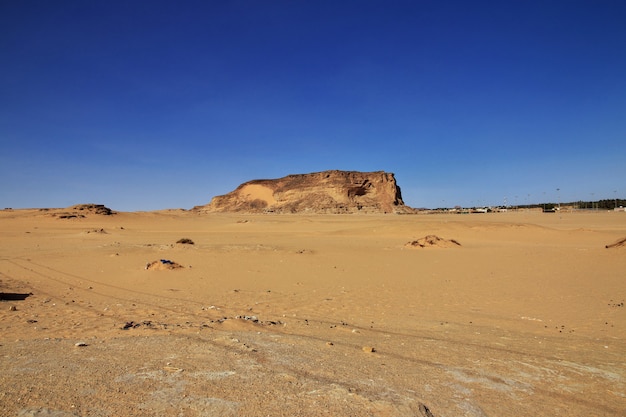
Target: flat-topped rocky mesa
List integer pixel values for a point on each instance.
(330, 192)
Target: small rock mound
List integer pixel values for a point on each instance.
(163, 265)
(80, 211)
(98, 231)
(93, 209)
(617, 244)
(433, 241)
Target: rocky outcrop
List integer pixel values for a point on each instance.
(93, 209)
(81, 211)
(332, 192)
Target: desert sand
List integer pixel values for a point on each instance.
(504, 314)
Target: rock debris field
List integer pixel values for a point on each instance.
(187, 313)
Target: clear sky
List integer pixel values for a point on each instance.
(144, 105)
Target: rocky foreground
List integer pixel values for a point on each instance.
(171, 313)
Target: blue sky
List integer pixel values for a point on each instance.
(144, 105)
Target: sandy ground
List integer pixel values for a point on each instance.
(312, 315)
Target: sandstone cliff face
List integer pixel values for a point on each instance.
(333, 192)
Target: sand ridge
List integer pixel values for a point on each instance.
(293, 314)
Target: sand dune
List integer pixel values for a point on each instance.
(312, 315)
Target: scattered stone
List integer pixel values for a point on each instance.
(12, 308)
(330, 344)
(185, 241)
(253, 319)
(369, 349)
(130, 325)
(81, 344)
